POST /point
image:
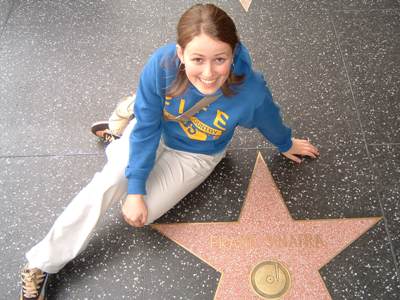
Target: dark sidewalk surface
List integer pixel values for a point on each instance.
(333, 67)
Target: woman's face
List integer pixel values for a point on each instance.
(207, 62)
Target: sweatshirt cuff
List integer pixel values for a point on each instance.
(136, 186)
(285, 147)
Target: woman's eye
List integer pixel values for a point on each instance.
(220, 60)
(197, 60)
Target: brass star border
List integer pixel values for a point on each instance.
(265, 233)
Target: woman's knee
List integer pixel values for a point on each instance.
(111, 174)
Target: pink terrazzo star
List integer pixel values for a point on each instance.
(265, 231)
(246, 4)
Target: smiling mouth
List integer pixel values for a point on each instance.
(208, 81)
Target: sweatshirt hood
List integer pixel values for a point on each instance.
(241, 60)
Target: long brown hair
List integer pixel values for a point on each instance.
(213, 21)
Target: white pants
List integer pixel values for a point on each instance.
(174, 175)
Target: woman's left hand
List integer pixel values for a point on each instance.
(302, 148)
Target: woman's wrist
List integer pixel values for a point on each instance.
(134, 197)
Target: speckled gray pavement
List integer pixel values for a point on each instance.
(334, 68)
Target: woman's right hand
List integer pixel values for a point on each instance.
(134, 210)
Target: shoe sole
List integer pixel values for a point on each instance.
(43, 295)
(99, 126)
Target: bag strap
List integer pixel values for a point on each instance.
(185, 116)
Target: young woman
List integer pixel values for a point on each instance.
(162, 155)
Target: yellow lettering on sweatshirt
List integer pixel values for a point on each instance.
(181, 106)
(204, 127)
(220, 119)
(192, 132)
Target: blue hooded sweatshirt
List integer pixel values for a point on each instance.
(207, 132)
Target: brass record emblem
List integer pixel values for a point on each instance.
(270, 280)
